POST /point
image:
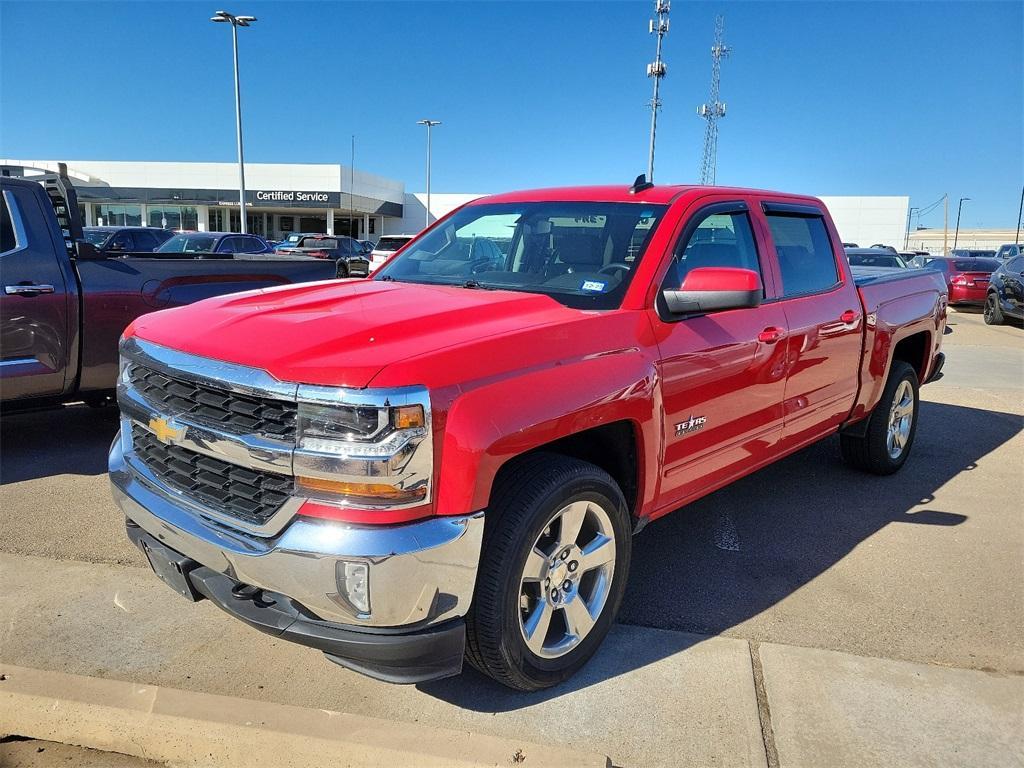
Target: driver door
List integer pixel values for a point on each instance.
(723, 373)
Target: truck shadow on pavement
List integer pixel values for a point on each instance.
(734, 554)
(68, 440)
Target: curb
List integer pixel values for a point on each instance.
(201, 729)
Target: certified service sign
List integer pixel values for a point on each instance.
(296, 198)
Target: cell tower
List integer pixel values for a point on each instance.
(714, 109)
(656, 70)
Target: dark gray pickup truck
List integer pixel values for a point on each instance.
(64, 304)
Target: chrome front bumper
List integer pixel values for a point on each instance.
(420, 574)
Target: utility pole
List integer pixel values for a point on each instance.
(945, 225)
(222, 17)
(1016, 240)
(714, 109)
(430, 124)
(910, 214)
(656, 70)
(959, 207)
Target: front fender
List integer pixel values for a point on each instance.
(490, 424)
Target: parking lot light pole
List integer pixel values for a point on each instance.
(223, 17)
(430, 124)
(959, 206)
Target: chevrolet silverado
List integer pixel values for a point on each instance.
(449, 460)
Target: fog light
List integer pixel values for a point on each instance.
(354, 584)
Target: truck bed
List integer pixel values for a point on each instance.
(873, 275)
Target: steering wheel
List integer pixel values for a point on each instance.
(481, 265)
(608, 269)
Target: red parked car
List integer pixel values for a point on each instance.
(967, 279)
(449, 460)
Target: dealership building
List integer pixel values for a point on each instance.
(328, 197)
(280, 197)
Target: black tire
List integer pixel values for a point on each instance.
(525, 499)
(993, 312)
(871, 452)
(342, 270)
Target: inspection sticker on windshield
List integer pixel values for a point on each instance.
(592, 285)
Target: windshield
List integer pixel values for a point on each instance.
(391, 243)
(96, 237)
(189, 243)
(581, 254)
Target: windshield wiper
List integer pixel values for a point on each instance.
(477, 284)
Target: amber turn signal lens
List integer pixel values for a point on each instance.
(408, 416)
(365, 492)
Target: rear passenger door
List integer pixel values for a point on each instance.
(824, 317)
(723, 373)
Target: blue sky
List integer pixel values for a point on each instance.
(917, 98)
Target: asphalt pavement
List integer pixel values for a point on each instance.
(903, 593)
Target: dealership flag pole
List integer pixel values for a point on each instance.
(236, 22)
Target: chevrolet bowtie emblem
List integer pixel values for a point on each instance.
(164, 432)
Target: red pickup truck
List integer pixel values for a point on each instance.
(449, 460)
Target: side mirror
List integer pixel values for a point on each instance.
(86, 251)
(713, 289)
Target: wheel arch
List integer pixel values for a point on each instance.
(601, 410)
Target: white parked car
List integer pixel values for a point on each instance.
(385, 247)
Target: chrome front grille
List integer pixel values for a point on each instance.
(215, 407)
(250, 495)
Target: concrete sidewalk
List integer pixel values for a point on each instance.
(649, 698)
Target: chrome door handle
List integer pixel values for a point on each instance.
(27, 290)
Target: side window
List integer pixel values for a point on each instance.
(250, 245)
(805, 254)
(145, 241)
(8, 235)
(228, 245)
(1016, 265)
(720, 240)
(122, 241)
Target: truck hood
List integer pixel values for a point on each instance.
(343, 333)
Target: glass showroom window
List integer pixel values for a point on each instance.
(173, 216)
(119, 215)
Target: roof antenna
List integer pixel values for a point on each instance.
(640, 184)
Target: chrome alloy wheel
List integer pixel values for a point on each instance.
(901, 419)
(567, 579)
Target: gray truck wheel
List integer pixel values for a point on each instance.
(552, 572)
(886, 443)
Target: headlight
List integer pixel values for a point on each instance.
(374, 452)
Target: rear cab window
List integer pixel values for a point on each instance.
(807, 262)
(391, 243)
